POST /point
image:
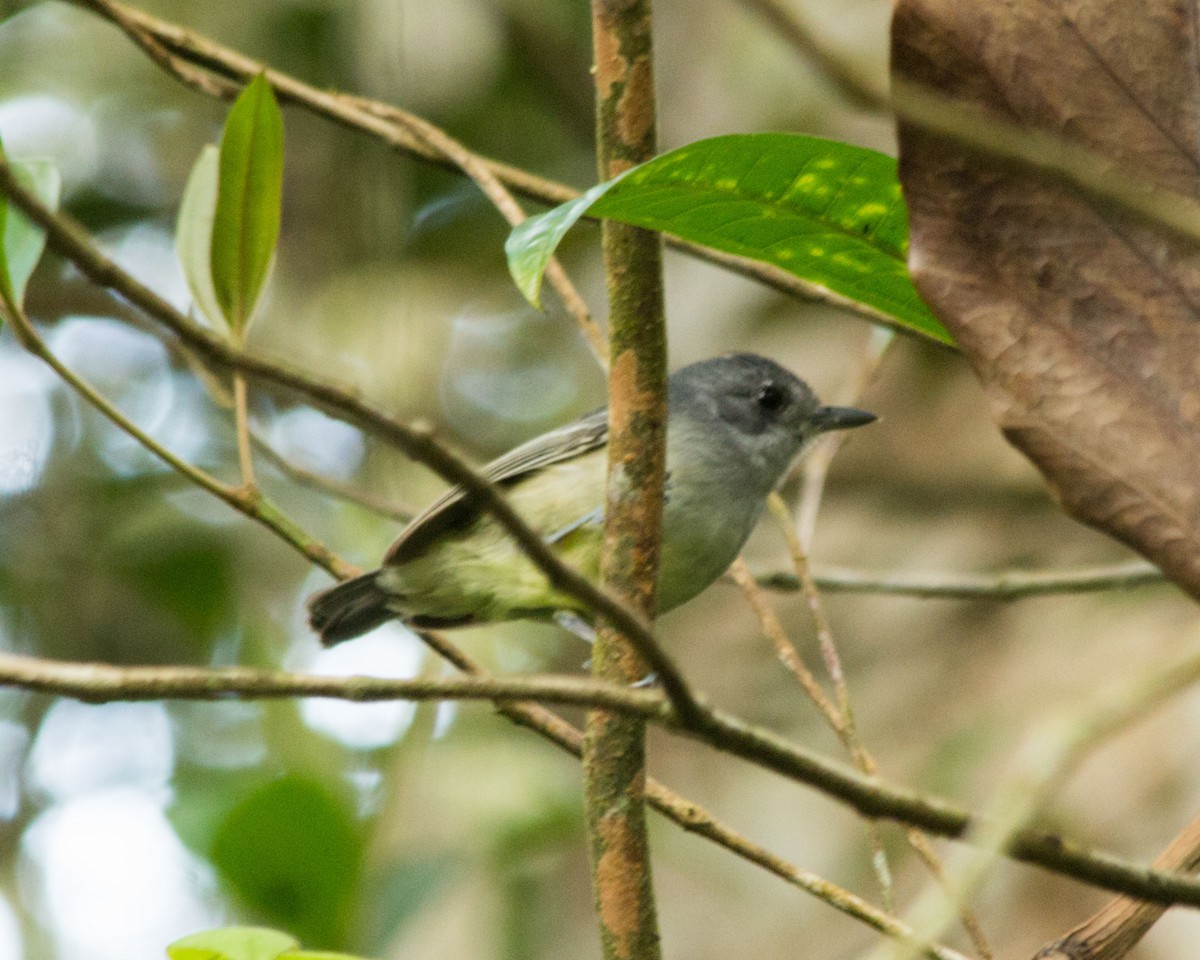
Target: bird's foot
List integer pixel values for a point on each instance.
(572, 622)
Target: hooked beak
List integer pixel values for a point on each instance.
(841, 418)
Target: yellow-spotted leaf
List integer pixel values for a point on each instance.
(827, 212)
(249, 197)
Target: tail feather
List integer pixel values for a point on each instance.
(349, 609)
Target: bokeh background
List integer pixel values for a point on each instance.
(400, 831)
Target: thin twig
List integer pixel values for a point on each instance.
(241, 417)
(923, 847)
(330, 487)
(815, 470)
(101, 682)
(784, 649)
(848, 80)
(1004, 586)
(845, 727)
(812, 597)
(833, 715)
(816, 465)
(695, 819)
(157, 51)
(487, 181)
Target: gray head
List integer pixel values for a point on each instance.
(759, 412)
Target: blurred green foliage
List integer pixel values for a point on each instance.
(292, 851)
(190, 580)
(462, 838)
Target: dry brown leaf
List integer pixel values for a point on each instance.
(1083, 325)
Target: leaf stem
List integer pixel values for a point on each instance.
(241, 415)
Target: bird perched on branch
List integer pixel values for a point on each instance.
(735, 426)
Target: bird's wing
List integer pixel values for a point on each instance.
(452, 510)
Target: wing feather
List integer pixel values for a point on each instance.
(452, 511)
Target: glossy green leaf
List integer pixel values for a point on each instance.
(316, 955)
(193, 236)
(291, 850)
(24, 241)
(249, 197)
(826, 212)
(232, 943)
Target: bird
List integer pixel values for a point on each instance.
(736, 424)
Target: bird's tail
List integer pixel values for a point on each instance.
(349, 609)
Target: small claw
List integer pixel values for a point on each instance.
(572, 622)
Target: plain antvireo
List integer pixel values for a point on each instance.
(735, 425)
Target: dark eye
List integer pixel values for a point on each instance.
(771, 397)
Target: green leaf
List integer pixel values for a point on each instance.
(316, 955)
(24, 241)
(176, 952)
(826, 212)
(232, 943)
(291, 850)
(194, 233)
(249, 197)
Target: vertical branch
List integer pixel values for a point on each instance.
(614, 746)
